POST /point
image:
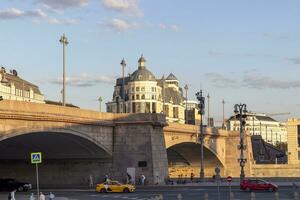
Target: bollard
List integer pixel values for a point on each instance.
(276, 196)
(296, 196)
(179, 196)
(231, 196)
(252, 196)
(160, 197)
(205, 196)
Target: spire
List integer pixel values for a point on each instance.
(142, 62)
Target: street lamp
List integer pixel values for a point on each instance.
(64, 41)
(240, 111)
(100, 101)
(186, 104)
(201, 100)
(123, 64)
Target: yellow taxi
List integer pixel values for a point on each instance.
(114, 186)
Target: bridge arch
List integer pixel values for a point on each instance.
(184, 159)
(68, 134)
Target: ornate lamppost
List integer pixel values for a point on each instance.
(240, 111)
(123, 64)
(64, 41)
(201, 100)
(186, 87)
(100, 101)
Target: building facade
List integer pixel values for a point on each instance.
(13, 87)
(142, 92)
(268, 128)
(293, 138)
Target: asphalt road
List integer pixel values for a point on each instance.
(187, 193)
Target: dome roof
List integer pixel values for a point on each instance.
(172, 77)
(142, 74)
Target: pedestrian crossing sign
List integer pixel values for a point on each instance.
(36, 157)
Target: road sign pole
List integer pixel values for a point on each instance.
(229, 190)
(37, 181)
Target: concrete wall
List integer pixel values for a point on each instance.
(56, 173)
(134, 143)
(273, 170)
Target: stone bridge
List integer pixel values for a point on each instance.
(77, 143)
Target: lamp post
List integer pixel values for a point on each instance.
(64, 41)
(240, 111)
(186, 103)
(100, 101)
(201, 100)
(223, 103)
(123, 64)
(208, 122)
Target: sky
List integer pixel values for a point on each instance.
(242, 51)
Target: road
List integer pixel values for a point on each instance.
(188, 193)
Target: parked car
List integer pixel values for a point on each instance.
(114, 186)
(9, 184)
(257, 184)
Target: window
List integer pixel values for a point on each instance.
(153, 97)
(132, 89)
(132, 97)
(143, 89)
(175, 112)
(137, 89)
(137, 96)
(153, 89)
(143, 96)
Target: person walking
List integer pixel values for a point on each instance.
(31, 197)
(42, 196)
(128, 178)
(91, 182)
(51, 196)
(143, 178)
(11, 195)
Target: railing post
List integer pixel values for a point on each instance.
(252, 196)
(296, 196)
(276, 196)
(231, 196)
(179, 197)
(205, 196)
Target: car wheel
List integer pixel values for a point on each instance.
(20, 189)
(126, 190)
(103, 190)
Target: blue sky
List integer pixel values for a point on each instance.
(241, 51)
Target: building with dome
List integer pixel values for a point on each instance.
(142, 92)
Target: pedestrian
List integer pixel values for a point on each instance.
(31, 197)
(192, 176)
(51, 196)
(143, 178)
(11, 195)
(106, 186)
(106, 179)
(91, 183)
(42, 196)
(128, 179)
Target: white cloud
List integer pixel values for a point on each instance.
(250, 79)
(53, 20)
(85, 80)
(174, 27)
(130, 7)
(168, 27)
(121, 25)
(14, 13)
(63, 4)
(296, 61)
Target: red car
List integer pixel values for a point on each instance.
(257, 184)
